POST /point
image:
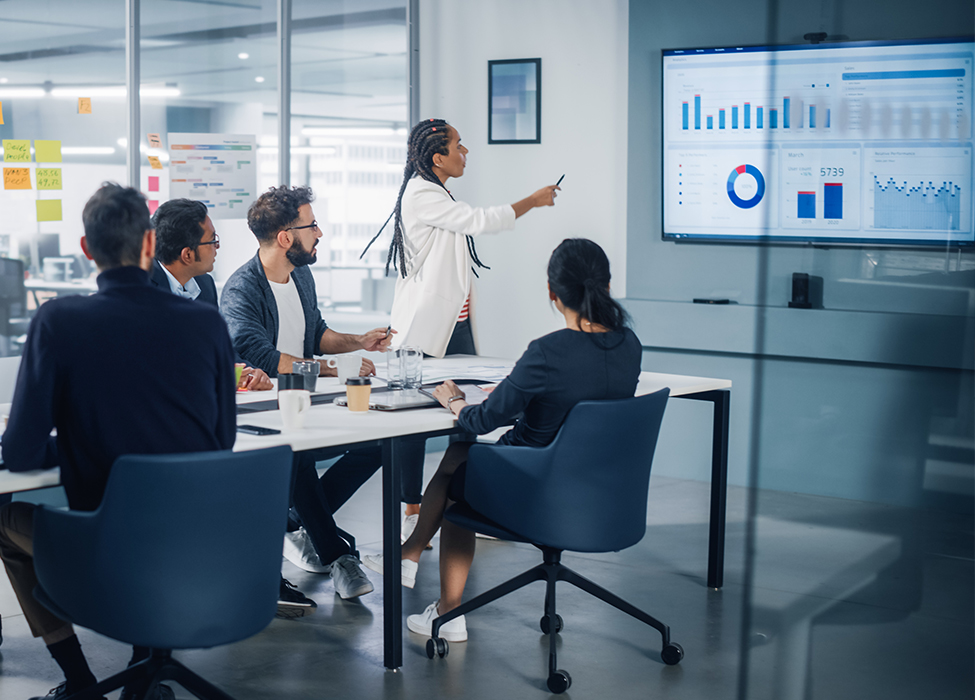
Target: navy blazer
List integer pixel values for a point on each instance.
(208, 289)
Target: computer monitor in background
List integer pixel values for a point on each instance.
(48, 245)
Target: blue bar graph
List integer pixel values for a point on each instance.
(683, 114)
(720, 118)
(758, 118)
(832, 199)
(812, 116)
(748, 115)
(773, 119)
(927, 206)
(785, 113)
(734, 116)
(827, 118)
(710, 122)
(806, 205)
(697, 111)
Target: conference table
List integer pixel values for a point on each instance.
(330, 425)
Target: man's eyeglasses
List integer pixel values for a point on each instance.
(215, 241)
(313, 224)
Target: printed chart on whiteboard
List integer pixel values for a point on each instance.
(219, 170)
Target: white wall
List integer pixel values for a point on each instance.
(584, 50)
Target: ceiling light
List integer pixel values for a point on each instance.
(259, 79)
(339, 131)
(22, 92)
(243, 56)
(112, 91)
(87, 150)
(4, 80)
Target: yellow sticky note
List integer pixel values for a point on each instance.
(49, 210)
(48, 178)
(1, 112)
(16, 178)
(16, 151)
(155, 163)
(84, 105)
(47, 151)
(154, 140)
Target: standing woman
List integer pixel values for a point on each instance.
(433, 250)
(433, 244)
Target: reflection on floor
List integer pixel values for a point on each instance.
(851, 600)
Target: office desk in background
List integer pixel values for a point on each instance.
(328, 425)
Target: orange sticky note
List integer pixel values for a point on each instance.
(16, 178)
(155, 163)
(48, 209)
(1, 112)
(154, 141)
(84, 105)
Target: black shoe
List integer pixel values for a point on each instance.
(160, 692)
(58, 693)
(292, 604)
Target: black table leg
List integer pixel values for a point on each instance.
(392, 591)
(721, 399)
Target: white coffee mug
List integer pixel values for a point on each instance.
(346, 365)
(293, 403)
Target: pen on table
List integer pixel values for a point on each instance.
(560, 180)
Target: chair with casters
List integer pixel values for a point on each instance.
(584, 492)
(170, 531)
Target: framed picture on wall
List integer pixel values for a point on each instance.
(515, 101)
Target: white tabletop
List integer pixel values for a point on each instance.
(327, 425)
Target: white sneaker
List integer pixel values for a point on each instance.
(348, 578)
(408, 568)
(453, 631)
(299, 550)
(407, 528)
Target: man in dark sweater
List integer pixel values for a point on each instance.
(110, 375)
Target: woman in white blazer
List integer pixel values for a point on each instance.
(433, 250)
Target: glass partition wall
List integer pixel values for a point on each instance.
(209, 85)
(861, 453)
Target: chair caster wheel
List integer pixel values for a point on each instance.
(559, 682)
(672, 654)
(437, 647)
(543, 623)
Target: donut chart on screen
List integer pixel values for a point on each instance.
(759, 193)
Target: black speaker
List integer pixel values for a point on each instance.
(807, 291)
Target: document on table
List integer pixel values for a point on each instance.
(491, 371)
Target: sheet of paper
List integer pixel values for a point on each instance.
(48, 178)
(153, 205)
(155, 163)
(16, 151)
(219, 170)
(47, 151)
(84, 105)
(49, 210)
(153, 183)
(447, 368)
(16, 178)
(154, 141)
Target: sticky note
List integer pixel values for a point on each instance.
(47, 151)
(155, 163)
(153, 183)
(154, 141)
(16, 178)
(48, 178)
(16, 151)
(1, 112)
(153, 205)
(49, 210)
(84, 105)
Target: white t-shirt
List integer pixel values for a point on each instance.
(291, 318)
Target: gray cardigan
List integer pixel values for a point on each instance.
(251, 312)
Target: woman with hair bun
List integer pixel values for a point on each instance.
(596, 356)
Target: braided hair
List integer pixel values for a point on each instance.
(578, 274)
(426, 138)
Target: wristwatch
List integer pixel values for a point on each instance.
(454, 398)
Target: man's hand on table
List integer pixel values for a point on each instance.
(253, 379)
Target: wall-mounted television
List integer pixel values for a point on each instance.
(860, 143)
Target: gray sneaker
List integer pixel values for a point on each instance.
(348, 578)
(299, 550)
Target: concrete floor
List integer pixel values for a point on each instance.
(848, 600)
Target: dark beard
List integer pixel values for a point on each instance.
(298, 256)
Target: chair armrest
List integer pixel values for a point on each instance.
(66, 559)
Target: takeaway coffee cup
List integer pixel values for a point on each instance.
(357, 390)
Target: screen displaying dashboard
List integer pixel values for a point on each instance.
(856, 143)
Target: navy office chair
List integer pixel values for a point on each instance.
(585, 492)
(183, 552)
